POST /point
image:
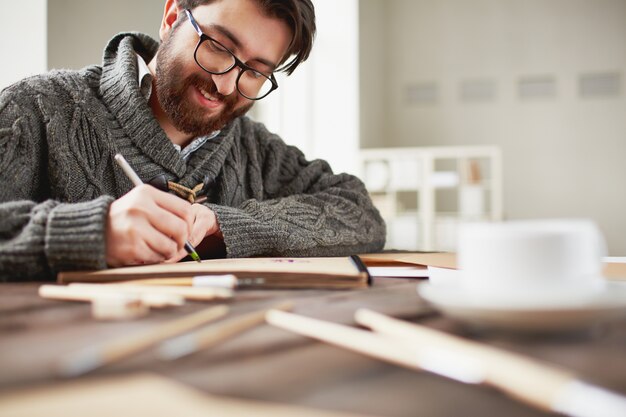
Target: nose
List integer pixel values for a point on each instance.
(226, 83)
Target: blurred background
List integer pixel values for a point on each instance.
(450, 110)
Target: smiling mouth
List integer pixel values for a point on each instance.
(208, 96)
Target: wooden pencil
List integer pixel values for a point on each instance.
(215, 333)
(94, 293)
(92, 358)
(189, 293)
(535, 383)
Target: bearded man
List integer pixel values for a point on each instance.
(176, 112)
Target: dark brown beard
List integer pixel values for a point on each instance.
(186, 116)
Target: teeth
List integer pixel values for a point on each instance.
(207, 95)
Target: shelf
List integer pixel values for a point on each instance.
(422, 202)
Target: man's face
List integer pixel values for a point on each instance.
(196, 102)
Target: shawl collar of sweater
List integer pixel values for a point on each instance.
(120, 92)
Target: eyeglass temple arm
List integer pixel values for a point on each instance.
(193, 22)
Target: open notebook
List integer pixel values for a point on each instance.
(336, 272)
(407, 264)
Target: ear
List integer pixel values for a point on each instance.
(170, 14)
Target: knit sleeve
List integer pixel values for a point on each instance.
(39, 236)
(305, 210)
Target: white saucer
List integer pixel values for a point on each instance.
(570, 311)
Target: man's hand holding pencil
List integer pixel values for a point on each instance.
(148, 226)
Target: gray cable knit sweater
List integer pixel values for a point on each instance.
(60, 131)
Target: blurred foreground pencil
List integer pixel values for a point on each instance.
(98, 293)
(86, 360)
(538, 384)
(189, 293)
(203, 281)
(216, 333)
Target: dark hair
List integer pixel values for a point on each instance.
(299, 16)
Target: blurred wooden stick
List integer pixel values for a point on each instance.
(534, 382)
(376, 346)
(214, 334)
(92, 358)
(190, 293)
(95, 294)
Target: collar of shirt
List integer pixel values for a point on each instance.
(144, 80)
(194, 145)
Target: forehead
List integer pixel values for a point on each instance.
(260, 36)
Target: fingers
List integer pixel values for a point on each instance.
(130, 252)
(179, 255)
(166, 213)
(147, 226)
(199, 225)
(168, 225)
(205, 223)
(173, 205)
(161, 244)
(133, 241)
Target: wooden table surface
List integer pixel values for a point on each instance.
(270, 364)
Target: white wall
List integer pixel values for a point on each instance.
(22, 40)
(564, 154)
(78, 30)
(317, 108)
(372, 67)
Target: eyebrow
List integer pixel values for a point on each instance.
(224, 31)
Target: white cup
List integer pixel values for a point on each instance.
(532, 257)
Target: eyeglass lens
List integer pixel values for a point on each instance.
(214, 58)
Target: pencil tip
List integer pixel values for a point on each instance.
(192, 252)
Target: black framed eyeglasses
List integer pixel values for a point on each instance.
(216, 59)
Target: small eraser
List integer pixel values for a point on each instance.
(222, 281)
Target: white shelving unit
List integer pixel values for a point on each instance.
(425, 192)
